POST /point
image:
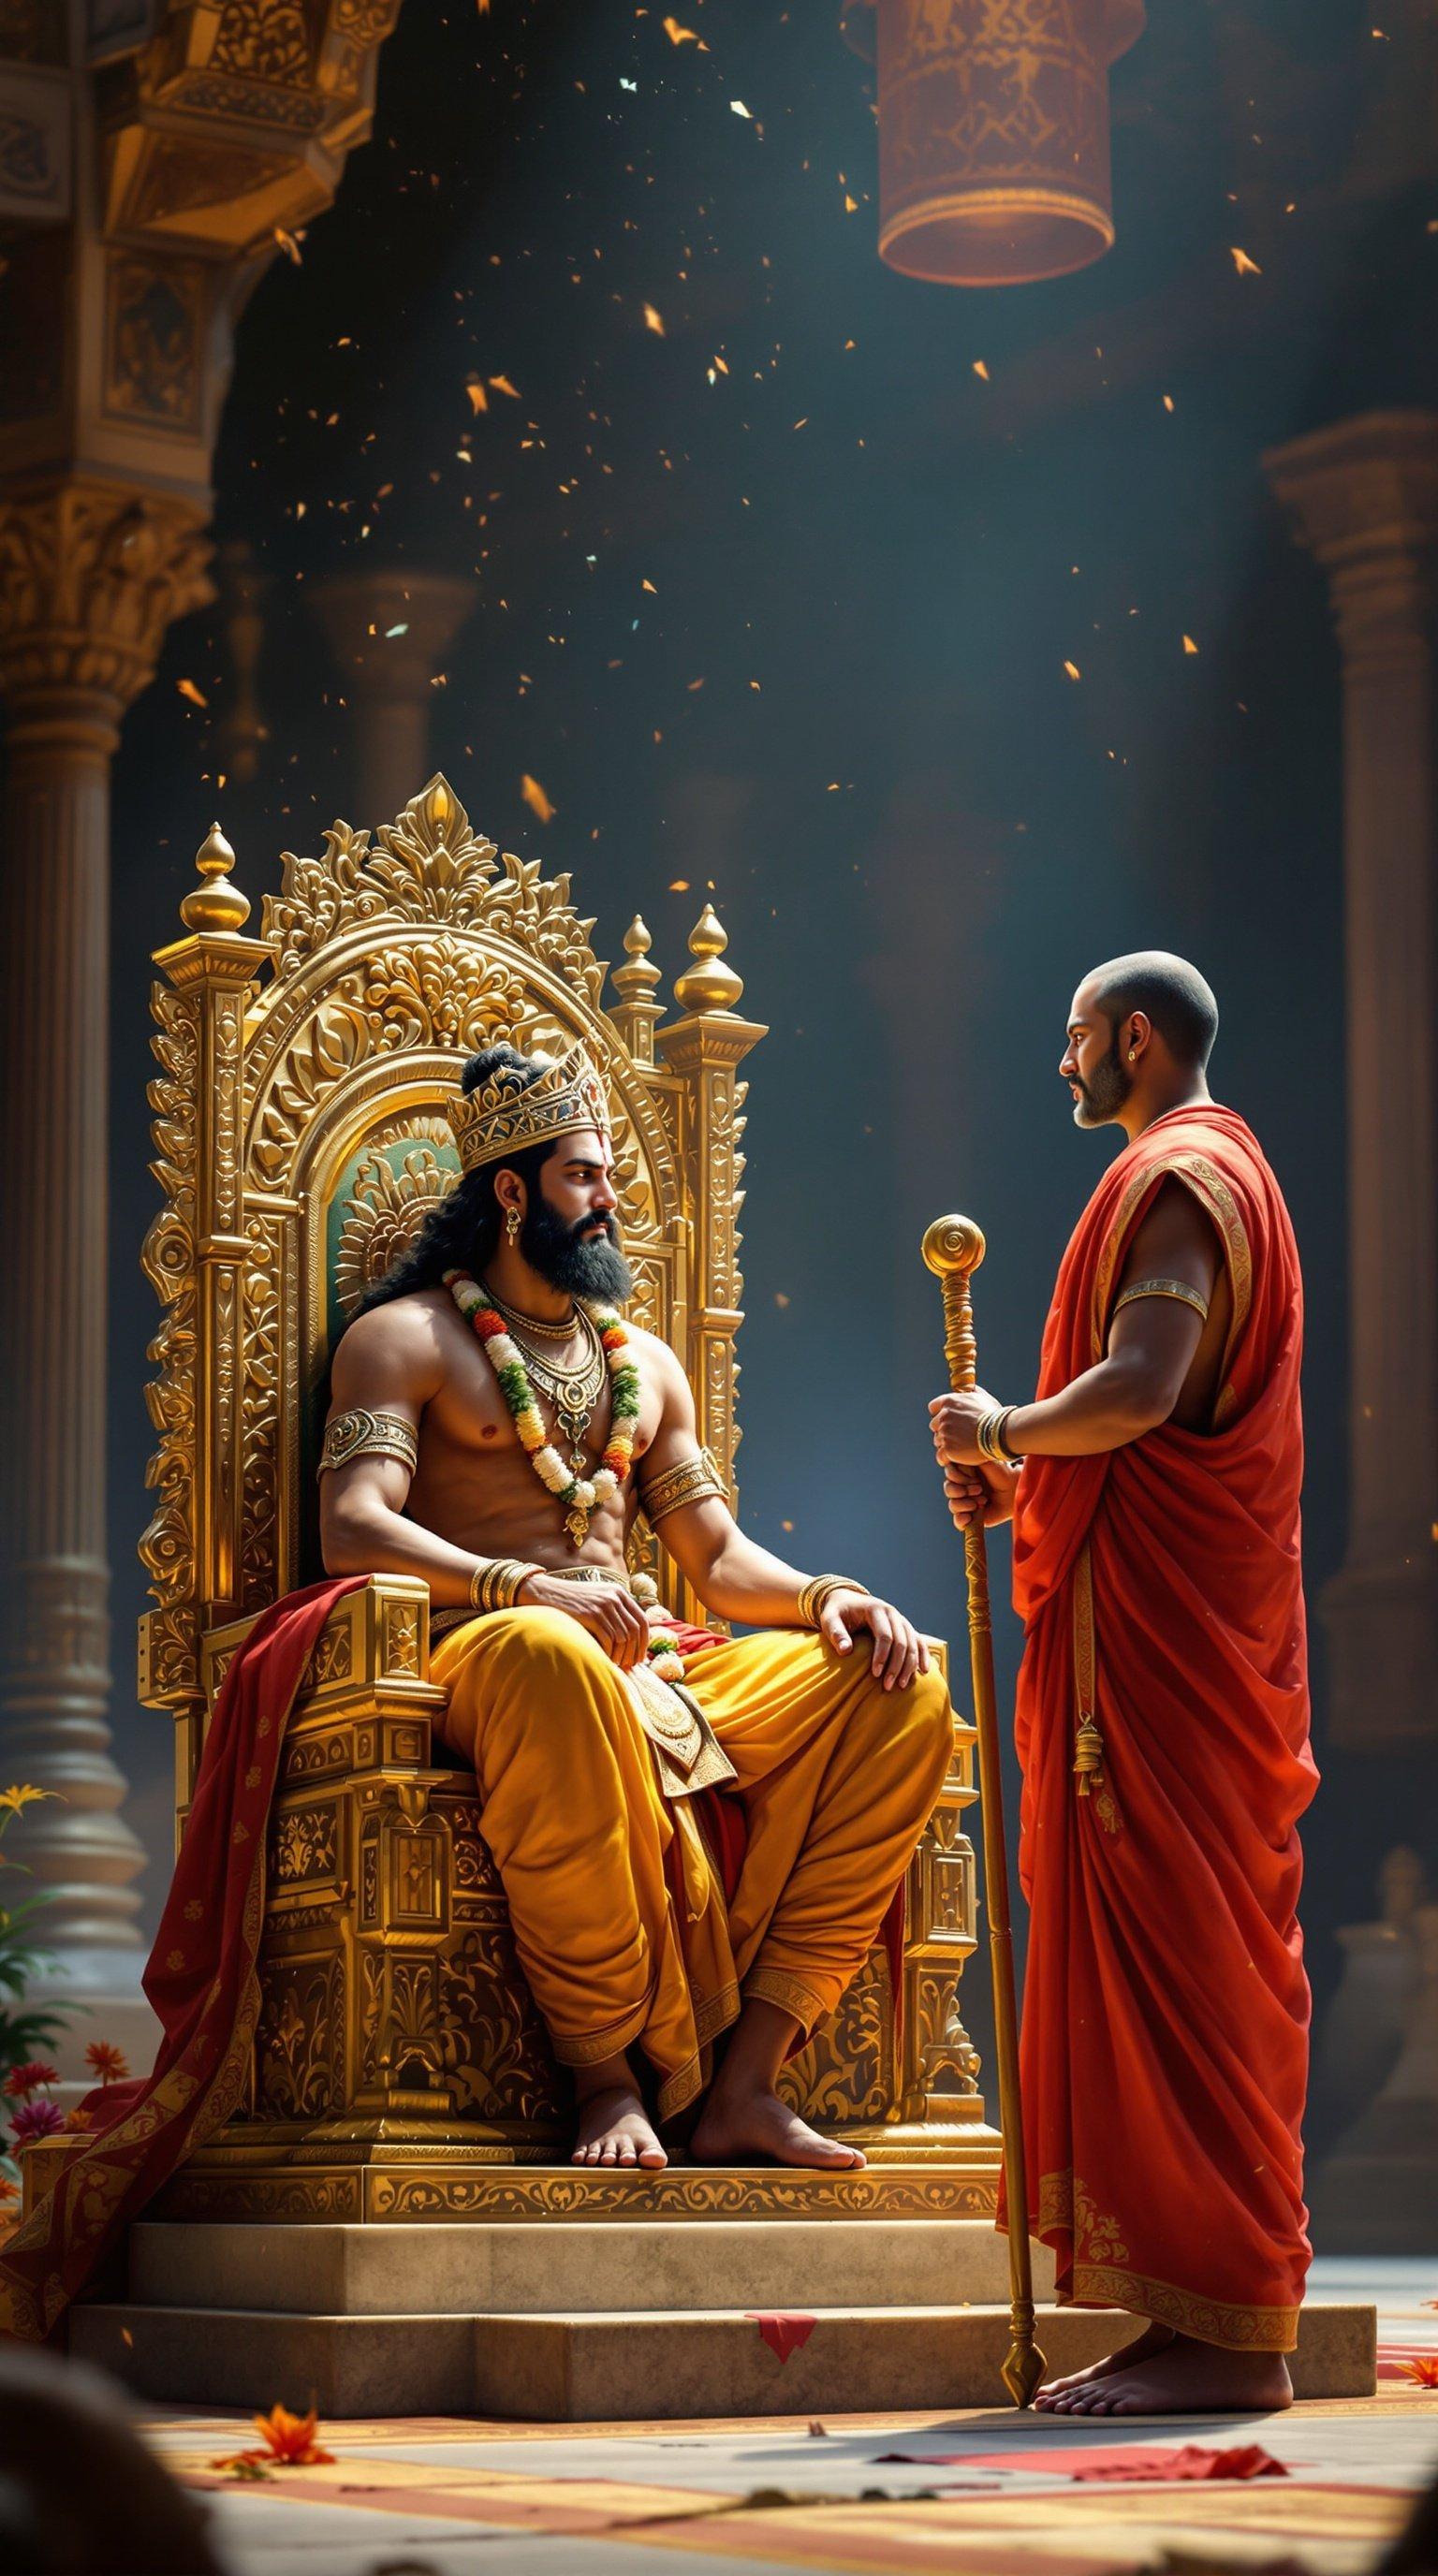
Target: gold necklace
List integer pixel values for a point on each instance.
(516, 1318)
(573, 1392)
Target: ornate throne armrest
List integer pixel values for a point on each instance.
(366, 1699)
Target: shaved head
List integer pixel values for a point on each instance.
(1172, 995)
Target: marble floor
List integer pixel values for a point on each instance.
(981, 2490)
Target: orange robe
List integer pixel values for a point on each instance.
(617, 1905)
(1166, 2009)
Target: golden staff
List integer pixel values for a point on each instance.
(953, 1249)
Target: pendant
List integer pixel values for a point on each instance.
(577, 1525)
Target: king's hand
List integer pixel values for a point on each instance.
(608, 1610)
(898, 1649)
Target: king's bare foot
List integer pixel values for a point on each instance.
(614, 2129)
(1153, 2339)
(735, 2127)
(1188, 2378)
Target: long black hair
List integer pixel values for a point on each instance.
(462, 1229)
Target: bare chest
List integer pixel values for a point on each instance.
(469, 1418)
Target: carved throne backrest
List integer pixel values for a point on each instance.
(301, 1134)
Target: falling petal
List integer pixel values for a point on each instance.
(654, 320)
(535, 798)
(196, 696)
(1245, 266)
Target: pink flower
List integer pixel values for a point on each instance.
(36, 2120)
(23, 2080)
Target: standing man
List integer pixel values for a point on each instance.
(1162, 1721)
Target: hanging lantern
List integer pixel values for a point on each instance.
(993, 132)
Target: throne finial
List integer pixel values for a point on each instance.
(639, 1007)
(637, 980)
(708, 985)
(216, 903)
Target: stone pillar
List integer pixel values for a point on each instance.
(390, 632)
(151, 155)
(1364, 496)
(90, 577)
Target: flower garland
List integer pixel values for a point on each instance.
(577, 1495)
(663, 1653)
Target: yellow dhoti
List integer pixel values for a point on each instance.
(838, 1778)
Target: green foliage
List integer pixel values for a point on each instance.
(23, 2035)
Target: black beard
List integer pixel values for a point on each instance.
(1101, 1100)
(567, 1257)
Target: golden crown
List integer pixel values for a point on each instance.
(509, 1111)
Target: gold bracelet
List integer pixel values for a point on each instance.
(819, 1589)
(497, 1584)
(1003, 1453)
(989, 1438)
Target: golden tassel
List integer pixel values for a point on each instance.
(1088, 1756)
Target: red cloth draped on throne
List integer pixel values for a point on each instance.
(201, 1979)
(1166, 2009)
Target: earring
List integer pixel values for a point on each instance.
(1131, 1054)
(511, 1225)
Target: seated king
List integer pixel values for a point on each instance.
(699, 1836)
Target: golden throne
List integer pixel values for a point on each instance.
(400, 2070)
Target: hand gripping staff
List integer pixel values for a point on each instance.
(953, 1249)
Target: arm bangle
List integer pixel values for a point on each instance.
(1164, 1288)
(819, 1589)
(361, 1434)
(694, 1480)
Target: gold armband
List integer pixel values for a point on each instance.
(497, 1584)
(820, 1589)
(368, 1435)
(690, 1482)
(1164, 1288)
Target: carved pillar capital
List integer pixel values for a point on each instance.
(1363, 498)
(91, 576)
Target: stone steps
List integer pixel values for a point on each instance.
(527, 2268)
(626, 2365)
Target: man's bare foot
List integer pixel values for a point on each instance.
(614, 2129)
(1153, 2339)
(737, 2126)
(1187, 2378)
